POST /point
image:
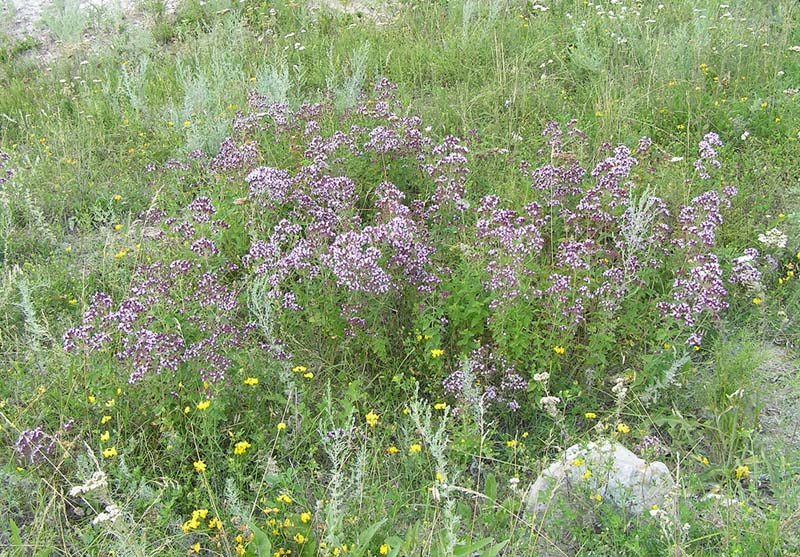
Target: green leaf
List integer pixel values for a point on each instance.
(16, 541)
(261, 544)
(490, 487)
(362, 542)
(469, 549)
(495, 549)
(396, 544)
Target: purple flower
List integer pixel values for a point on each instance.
(708, 155)
(34, 445)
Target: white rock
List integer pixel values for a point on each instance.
(614, 473)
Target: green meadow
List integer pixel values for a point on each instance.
(341, 278)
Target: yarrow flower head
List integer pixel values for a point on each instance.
(550, 405)
(773, 238)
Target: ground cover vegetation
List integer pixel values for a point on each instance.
(281, 280)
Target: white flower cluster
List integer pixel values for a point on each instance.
(773, 238)
(550, 405)
(111, 514)
(97, 481)
(541, 377)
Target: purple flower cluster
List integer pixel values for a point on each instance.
(708, 155)
(495, 380)
(700, 219)
(364, 207)
(371, 241)
(5, 173)
(147, 329)
(745, 271)
(34, 445)
(234, 157)
(509, 240)
(698, 288)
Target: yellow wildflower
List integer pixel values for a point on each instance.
(299, 538)
(190, 525)
(623, 428)
(757, 301)
(560, 350)
(590, 415)
(384, 549)
(241, 447)
(251, 381)
(392, 450)
(305, 517)
(105, 436)
(203, 405)
(512, 443)
(372, 419)
(742, 472)
(281, 426)
(110, 452)
(439, 406)
(105, 419)
(436, 352)
(586, 475)
(415, 448)
(283, 498)
(199, 466)
(299, 369)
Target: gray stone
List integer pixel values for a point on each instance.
(605, 469)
